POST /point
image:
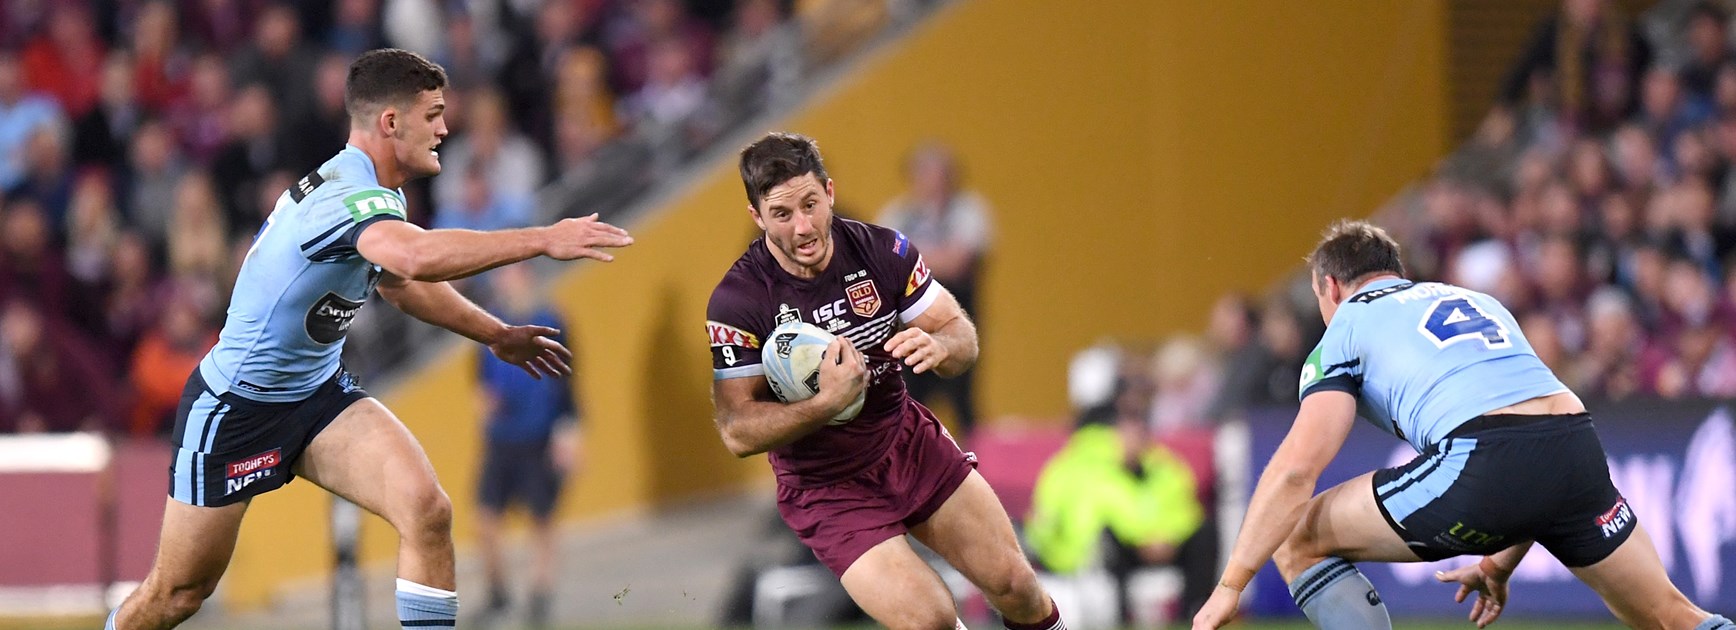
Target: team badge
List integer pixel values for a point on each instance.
(864, 298)
(787, 314)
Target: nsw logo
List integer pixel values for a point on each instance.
(244, 472)
(1616, 519)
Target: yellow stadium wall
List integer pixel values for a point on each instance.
(1141, 157)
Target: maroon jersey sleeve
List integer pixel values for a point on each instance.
(905, 264)
(734, 329)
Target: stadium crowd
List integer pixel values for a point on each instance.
(143, 143)
(1597, 201)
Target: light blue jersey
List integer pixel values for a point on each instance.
(302, 284)
(1424, 358)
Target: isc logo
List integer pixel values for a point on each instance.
(829, 311)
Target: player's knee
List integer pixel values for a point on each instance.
(1294, 556)
(183, 600)
(428, 514)
(933, 617)
(1015, 585)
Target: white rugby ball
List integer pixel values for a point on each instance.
(791, 360)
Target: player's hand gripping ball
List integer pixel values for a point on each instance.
(791, 359)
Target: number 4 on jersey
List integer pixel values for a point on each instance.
(1454, 319)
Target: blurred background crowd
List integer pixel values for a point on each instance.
(1597, 200)
(143, 142)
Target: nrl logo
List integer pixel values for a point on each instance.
(787, 315)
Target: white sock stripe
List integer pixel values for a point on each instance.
(406, 586)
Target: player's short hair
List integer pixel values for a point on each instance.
(777, 158)
(388, 76)
(1353, 249)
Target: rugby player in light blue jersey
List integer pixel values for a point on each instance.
(271, 401)
(1508, 457)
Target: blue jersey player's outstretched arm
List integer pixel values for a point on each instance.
(410, 252)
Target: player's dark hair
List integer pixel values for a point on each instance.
(1352, 249)
(777, 158)
(388, 76)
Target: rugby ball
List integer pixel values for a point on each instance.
(791, 359)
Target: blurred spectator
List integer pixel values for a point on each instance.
(66, 60)
(49, 361)
(200, 119)
(757, 59)
(1580, 65)
(356, 29)
(533, 444)
(1187, 376)
(671, 93)
(166, 355)
(161, 61)
(219, 24)
(277, 58)
(322, 132)
(30, 267)
(1114, 499)
(952, 227)
(1232, 331)
(1664, 110)
(22, 113)
(511, 162)
(104, 132)
(254, 149)
(1707, 33)
(155, 172)
(584, 108)
(553, 29)
(481, 207)
(199, 235)
(47, 174)
(93, 230)
(636, 35)
(130, 302)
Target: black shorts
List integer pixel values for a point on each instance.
(519, 474)
(1500, 480)
(230, 448)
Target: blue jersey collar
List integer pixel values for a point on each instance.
(367, 162)
(1377, 285)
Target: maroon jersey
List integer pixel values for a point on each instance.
(875, 283)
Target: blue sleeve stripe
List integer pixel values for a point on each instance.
(324, 235)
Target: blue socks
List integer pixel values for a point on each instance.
(425, 606)
(1716, 622)
(1335, 595)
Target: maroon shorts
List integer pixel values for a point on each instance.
(842, 521)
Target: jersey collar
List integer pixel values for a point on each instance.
(367, 162)
(1377, 285)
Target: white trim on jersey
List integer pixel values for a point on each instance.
(740, 371)
(922, 303)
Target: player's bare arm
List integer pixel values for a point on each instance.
(751, 420)
(1280, 496)
(408, 251)
(531, 348)
(942, 338)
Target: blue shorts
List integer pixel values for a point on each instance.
(230, 448)
(519, 474)
(1497, 481)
